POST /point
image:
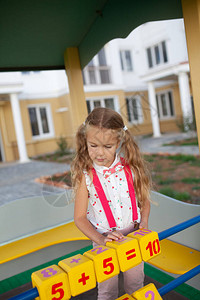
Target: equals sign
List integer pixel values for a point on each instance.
(130, 254)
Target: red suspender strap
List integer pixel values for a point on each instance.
(103, 199)
(130, 182)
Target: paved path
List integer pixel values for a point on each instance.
(155, 145)
(17, 179)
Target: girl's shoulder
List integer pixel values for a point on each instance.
(88, 177)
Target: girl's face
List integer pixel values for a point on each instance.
(102, 145)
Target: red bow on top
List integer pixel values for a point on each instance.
(118, 167)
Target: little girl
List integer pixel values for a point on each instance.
(105, 186)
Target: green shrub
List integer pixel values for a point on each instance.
(167, 191)
(182, 196)
(185, 124)
(62, 146)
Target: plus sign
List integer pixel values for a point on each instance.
(75, 260)
(83, 278)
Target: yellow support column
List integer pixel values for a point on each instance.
(191, 14)
(78, 107)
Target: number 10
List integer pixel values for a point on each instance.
(154, 248)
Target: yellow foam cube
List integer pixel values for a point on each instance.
(52, 283)
(81, 273)
(148, 241)
(149, 291)
(128, 252)
(125, 297)
(105, 262)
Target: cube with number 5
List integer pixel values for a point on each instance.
(105, 262)
(52, 283)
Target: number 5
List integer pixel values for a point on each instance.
(106, 263)
(55, 290)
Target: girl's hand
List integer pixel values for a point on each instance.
(112, 236)
(144, 224)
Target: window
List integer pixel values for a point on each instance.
(126, 61)
(165, 105)
(103, 69)
(102, 102)
(157, 54)
(91, 72)
(41, 121)
(134, 109)
(102, 57)
(97, 71)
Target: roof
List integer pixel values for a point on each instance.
(35, 33)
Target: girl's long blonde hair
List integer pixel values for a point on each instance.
(107, 118)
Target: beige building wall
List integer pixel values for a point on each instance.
(61, 123)
(171, 124)
(145, 127)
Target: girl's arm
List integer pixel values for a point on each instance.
(145, 214)
(81, 221)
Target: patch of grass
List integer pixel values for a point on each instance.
(157, 177)
(167, 191)
(194, 143)
(174, 194)
(166, 181)
(149, 158)
(195, 163)
(191, 180)
(183, 158)
(182, 196)
(170, 168)
(187, 142)
(196, 188)
(158, 167)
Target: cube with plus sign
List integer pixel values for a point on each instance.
(125, 297)
(105, 262)
(148, 241)
(128, 252)
(80, 270)
(149, 291)
(51, 282)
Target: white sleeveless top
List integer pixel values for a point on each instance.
(116, 190)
